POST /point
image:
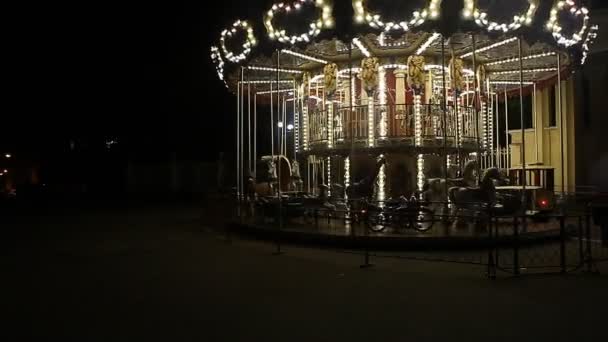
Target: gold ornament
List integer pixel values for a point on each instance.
(456, 73)
(330, 72)
(369, 73)
(415, 72)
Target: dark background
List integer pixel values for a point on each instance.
(77, 75)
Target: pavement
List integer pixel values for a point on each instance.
(166, 273)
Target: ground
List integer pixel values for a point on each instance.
(162, 273)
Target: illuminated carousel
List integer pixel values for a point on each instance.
(385, 100)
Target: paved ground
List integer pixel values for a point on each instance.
(160, 274)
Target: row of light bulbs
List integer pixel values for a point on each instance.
(553, 23)
(361, 47)
(516, 59)
(287, 71)
(482, 19)
(325, 20)
(528, 71)
(588, 42)
(374, 20)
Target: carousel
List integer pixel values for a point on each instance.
(409, 101)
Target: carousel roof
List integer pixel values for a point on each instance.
(311, 33)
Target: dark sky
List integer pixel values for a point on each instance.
(136, 70)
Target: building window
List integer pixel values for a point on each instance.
(553, 107)
(515, 113)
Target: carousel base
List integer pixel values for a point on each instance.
(441, 236)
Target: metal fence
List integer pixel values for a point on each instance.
(509, 245)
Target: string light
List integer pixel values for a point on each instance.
(382, 183)
(510, 83)
(346, 173)
(361, 47)
(218, 61)
(382, 128)
(328, 176)
(511, 60)
(556, 29)
(418, 139)
(471, 10)
(287, 71)
(363, 15)
(266, 92)
(325, 20)
(265, 82)
(588, 42)
(303, 56)
(427, 43)
(489, 47)
(511, 72)
(250, 41)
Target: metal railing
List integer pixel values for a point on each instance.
(511, 245)
(392, 122)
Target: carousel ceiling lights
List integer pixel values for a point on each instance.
(510, 83)
(363, 15)
(556, 29)
(303, 56)
(490, 47)
(512, 72)
(250, 41)
(287, 71)
(588, 42)
(428, 43)
(325, 20)
(471, 10)
(361, 47)
(511, 60)
(274, 91)
(266, 82)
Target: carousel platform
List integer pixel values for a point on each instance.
(342, 235)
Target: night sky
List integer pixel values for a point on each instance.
(138, 72)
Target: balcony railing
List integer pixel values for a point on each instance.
(392, 123)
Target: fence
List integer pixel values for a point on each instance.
(509, 245)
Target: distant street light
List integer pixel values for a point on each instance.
(280, 124)
(290, 127)
(8, 155)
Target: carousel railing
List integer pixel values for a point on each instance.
(392, 122)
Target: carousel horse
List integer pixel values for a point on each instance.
(434, 189)
(296, 183)
(470, 198)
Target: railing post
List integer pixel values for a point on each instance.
(589, 255)
(366, 263)
(515, 246)
(562, 244)
(491, 263)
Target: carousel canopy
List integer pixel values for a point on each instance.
(308, 34)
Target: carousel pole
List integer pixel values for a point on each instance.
(477, 101)
(249, 125)
(459, 127)
(535, 125)
(279, 113)
(242, 147)
(271, 120)
(508, 159)
(255, 135)
(296, 120)
(444, 104)
(497, 129)
(351, 110)
(523, 128)
(561, 121)
(238, 140)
